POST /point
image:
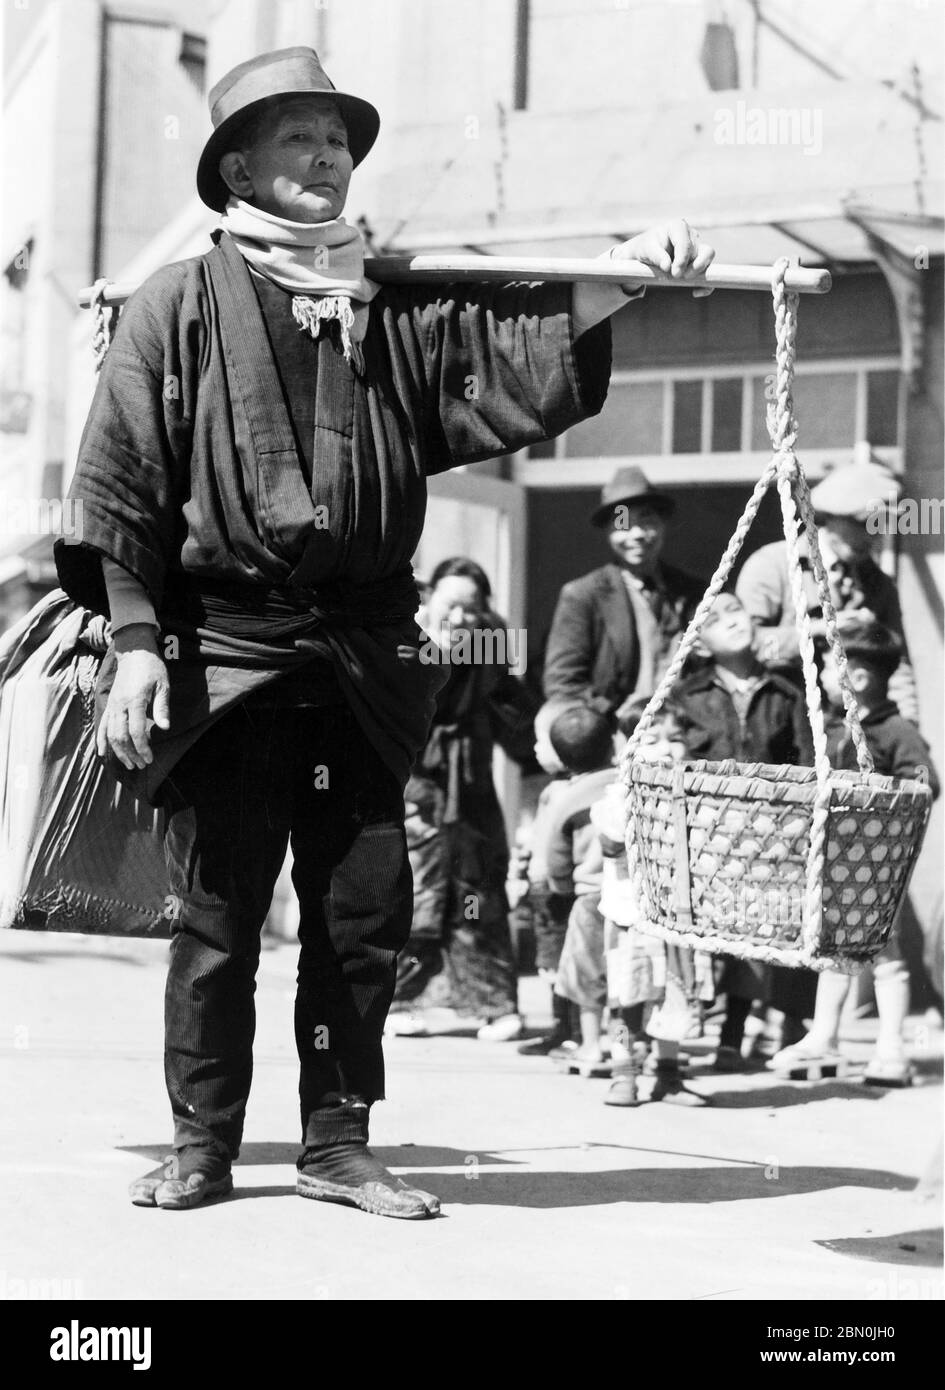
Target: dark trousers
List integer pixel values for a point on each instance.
(258, 779)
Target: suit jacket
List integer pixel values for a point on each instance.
(593, 649)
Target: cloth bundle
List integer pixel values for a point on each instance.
(78, 852)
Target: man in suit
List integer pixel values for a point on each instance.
(615, 629)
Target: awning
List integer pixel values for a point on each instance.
(767, 173)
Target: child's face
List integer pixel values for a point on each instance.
(663, 739)
(861, 678)
(728, 630)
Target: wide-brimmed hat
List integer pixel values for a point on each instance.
(856, 490)
(249, 86)
(629, 485)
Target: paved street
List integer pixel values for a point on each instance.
(796, 1191)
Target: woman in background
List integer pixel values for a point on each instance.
(459, 958)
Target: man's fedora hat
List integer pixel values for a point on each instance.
(248, 87)
(627, 486)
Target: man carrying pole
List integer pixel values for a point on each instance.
(253, 484)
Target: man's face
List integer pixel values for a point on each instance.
(848, 537)
(298, 165)
(728, 630)
(637, 536)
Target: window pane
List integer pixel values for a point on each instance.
(631, 422)
(726, 415)
(687, 417)
(882, 407)
(825, 407)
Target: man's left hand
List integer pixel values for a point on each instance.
(675, 248)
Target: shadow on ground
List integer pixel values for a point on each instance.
(44, 957)
(412, 1155)
(787, 1093)
(908, 1248)
(670, 1185)
(477, 1183)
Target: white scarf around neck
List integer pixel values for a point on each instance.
(321, 264)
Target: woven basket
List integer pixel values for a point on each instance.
(723, 853)
(792, 865)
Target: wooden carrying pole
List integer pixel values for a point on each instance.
(420, 270)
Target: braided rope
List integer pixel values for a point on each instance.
(864, 757)
(103, 328)
(785, 470)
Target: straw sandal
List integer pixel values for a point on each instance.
(804, 1057)
(185, 1179)
(349, 1173)
(889, 1071)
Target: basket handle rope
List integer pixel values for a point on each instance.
(785, 471)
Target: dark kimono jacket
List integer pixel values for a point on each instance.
(189, 476)
(458, 847)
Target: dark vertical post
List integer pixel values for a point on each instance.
(522, 24)
(101, 149)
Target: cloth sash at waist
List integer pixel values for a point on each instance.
(277, 611)
(221, 642)
(448, 758)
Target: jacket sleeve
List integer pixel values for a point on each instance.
(572, 649)
(560, 859)
(803, 735)
(912, 758)
(134, 453)
(505, 371)
(127, 601)
(512, 710)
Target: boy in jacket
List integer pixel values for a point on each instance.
(873, 655)
(735, 708)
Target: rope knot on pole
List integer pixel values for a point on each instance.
(782, 426)
(104, 318)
